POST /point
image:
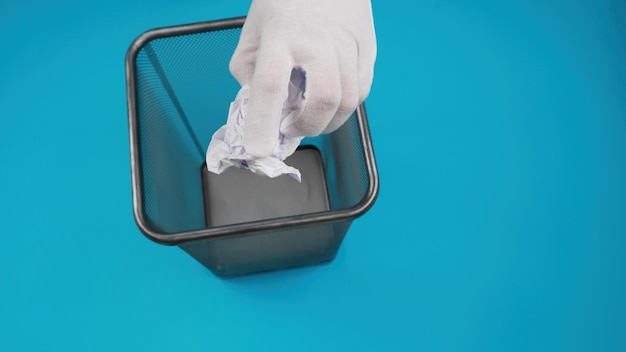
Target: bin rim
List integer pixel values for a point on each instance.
(239, 229)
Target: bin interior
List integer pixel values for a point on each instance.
(239, 196)
(184, 89)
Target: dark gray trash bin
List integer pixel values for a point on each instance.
(178, 91)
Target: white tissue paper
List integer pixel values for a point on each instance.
(226, 148)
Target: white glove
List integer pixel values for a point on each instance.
(332, 41)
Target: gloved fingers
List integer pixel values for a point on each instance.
(242, 62)
(268, 92)
(322, 96)
(350, 88)
(366, 71)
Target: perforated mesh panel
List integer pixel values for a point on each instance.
(196, 66)
(270, 251)
(183, 90)
(346, 172)
(168, 155)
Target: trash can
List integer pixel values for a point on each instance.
(178, 93)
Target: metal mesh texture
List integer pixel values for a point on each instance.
(184, 90)
(183, 93)
(346, 171)
(269, 251)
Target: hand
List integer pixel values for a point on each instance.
(331, 41)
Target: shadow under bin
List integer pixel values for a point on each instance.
(178, 92)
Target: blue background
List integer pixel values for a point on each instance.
(500, 134)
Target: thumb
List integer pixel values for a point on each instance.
(268, 93)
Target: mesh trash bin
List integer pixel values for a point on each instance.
(178, 92)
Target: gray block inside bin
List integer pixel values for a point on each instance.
(178, 92)
(239, 196)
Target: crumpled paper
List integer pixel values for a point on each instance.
(226, 147)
